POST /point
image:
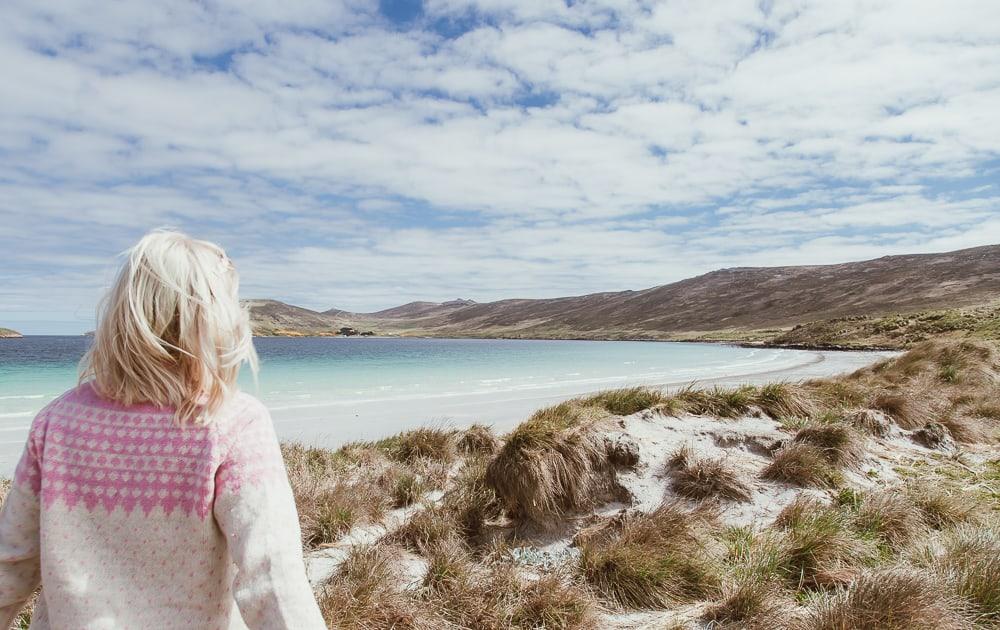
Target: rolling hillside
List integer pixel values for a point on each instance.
(736, 303)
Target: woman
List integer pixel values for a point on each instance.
(153, 495)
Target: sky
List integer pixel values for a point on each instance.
(362, 154)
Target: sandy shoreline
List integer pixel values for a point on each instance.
(334, 425)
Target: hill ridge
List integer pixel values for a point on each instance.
(735, 298)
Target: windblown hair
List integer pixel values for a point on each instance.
(171, 332)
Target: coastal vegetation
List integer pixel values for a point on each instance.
(806, 506)
(835, 516)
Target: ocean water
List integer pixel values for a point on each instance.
(303, 373)
(331, 390)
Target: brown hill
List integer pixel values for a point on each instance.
(271, 317)
(418, 310)
(738, 299)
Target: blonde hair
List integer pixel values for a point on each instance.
(171, 332)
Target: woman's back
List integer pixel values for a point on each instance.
(153, 495)
(137, 521)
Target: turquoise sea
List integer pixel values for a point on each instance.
(332, 390)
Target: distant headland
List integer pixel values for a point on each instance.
(889, 302)
(7, 333)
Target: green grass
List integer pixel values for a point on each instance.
(818, 545)
(625, 402)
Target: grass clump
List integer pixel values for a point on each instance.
(801, 464)
(471, 502)
(970, 563)
(423, 443)
(358, 483)
(462, 514)
(697, 477)
(328, 509)
(478, 439)
(888, 516)
(818, 546)
(553, 601)
(816, 455)
(839, 444)
(888, 599)
(652, 560)
(551, 465)
(328, 500)
(871, 421)
(362, 595)
(407, 489)
(907, 410)
(784, 400)
(492, 596)
(776, 400)
(426, 529)
(939, 505)
(626, 401)
(751, 594)
(302, 460)
(720, 402)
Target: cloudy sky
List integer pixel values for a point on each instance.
(362, 154)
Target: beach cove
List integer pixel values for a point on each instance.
(328, 391)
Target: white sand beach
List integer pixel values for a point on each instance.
(327, 419)
(335, 424)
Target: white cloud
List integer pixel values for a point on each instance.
(552, 148)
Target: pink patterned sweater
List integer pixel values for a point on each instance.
(130, 521)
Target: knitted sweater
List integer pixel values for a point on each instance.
(128, 520)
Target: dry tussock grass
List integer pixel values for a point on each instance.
(696, 477)
(968, 429)
(551, 465)
(652, 560)
(329, 508)
(363, 595)
(626, 401)
(776, 400)
(493, 596)
(425, 443)
(471, 502)
(870, 421)
(425, 529)
(970, 563)
(785, 400)
(909, 411)
(463, 514)
(721, 402)
(936, 381)
(940, 506)
(360, 482)
(479, 440)
(802, 465)
(839, 444)
(816, 456)
(889, 599)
